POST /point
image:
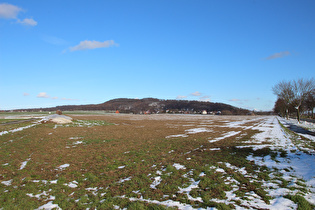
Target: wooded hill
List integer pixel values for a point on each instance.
(153, 105)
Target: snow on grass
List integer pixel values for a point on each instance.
(24, 164)
(240, 123)
(253, 201)
(198, 130)
(63, 166)
(73, 184)
(168, 203)
(187, 190)
(215, 149)
(190, 131)
(294, 164)
(179, 166)
(289, 167)
(156, 182)
(7, 183)
(227, 135)
(78, 142)
(38, 196)
(220, 170)
(303, 164)
(175, 136)
(16, 129)
(123, 180)
(75, 138)
(49, 205)
(240, 170)
(272, 129)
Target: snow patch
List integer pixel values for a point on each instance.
(63, 166)
(175, 136)
(156, 182)
(123, 180)
(73, 184)
(7, 183)
(227, 135)
(197, 130)
(49, 205)
(16, 130)
(178, 166)
(24, 164)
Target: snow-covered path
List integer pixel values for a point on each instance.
(302, 164)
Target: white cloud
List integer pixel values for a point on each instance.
(69, 99)
(88, 45)
(43, 95)
(234, 100)
(278, 55)
(9, 11)
(197, 93)
(181, 97)
(28, 22)
(26, 94)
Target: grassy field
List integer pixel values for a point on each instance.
(117, 161)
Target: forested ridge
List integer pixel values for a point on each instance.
(154, 105)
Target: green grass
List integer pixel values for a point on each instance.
(3, 121)
(101, 182)
(85, 123)
(302, 203)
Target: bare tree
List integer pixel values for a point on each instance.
(310, 103)
(302, 89)
(284, 91)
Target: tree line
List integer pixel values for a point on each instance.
(295, 97)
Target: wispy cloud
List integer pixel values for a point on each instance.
(197, 93)
(181, 97)
(43, 95)
(88, 45)
(69, 99)
(238, 101)
(205, 98)
(9, 11)
(234, 100)
(28, 22)
(54, 40)
(278, 55)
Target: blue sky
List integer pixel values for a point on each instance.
(55, 52)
